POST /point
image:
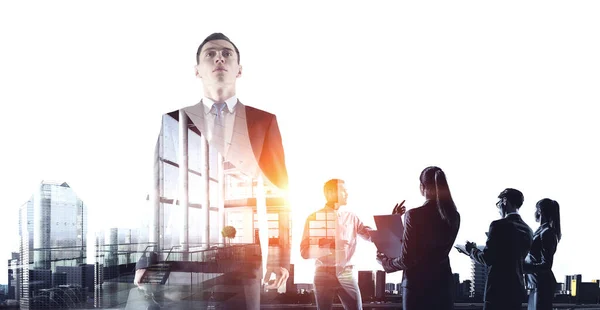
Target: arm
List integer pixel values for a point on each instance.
(549, 244)
(272, 159)
(139, 273)
(490, 252)
(363, 230)
(409, 243)
(146, 260)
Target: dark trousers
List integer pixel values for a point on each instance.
(541, 297)
(440, 298)
(511, 305)
(329, 282)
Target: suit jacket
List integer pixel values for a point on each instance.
(509, 240)
(256, 141)
(256, 147)
(427, 241)
(538, 263)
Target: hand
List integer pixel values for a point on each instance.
(381, 257)
(281, 275)
(138, 277)
(385, 262)
(399, 208)
(469, 246)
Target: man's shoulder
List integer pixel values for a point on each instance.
(346, 213)
(514, 223)
(500, 223)
(321, 212)
(254, 110)
(175, 113)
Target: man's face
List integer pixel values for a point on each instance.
(342, 194)
(501, 205)
(218, 63)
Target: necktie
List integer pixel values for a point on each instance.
(218, 133)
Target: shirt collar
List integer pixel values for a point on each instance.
(231, 102)
(329, 206)
(516, 212)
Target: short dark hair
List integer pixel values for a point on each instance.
(332, 185)
(513, 196)
(213, 37)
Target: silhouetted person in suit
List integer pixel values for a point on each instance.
(508, 242)
(538, 264)
(429, 233)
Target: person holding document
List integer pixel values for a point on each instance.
(429, 234)
(330, 237)
(538, 263)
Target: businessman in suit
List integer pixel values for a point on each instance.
(247, 138)
(508, 242)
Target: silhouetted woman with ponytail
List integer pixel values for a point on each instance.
(538, 263)
(429, 235)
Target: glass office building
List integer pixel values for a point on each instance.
(195, 194)
(53, 227)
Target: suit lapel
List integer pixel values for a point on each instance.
(196, 114)
(257, 122)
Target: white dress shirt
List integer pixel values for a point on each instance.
(341, 225)
(221, 143)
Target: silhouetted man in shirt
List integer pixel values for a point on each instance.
(330, 237)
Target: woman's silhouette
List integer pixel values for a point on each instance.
(429, 234)
(538, 263)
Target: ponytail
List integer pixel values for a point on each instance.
(550, 212)
(556, 219)
(445, 204)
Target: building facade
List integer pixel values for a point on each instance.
(479, 274)
(53, 228)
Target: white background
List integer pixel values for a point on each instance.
(498, 95)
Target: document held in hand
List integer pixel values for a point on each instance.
(388, 236)
(461, 249)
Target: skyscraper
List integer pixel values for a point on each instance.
(479, 275)
(52, 228)
(572, 283)
(366, 284)
(379, 284)
(390, 287)
(13, 276)
(457, 287)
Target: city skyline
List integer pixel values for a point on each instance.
(511, 92)
(50, 197)
(468, 275)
